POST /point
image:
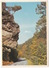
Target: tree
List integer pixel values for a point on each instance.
(41, 24)
(41, 9)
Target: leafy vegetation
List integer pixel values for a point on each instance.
(35, 49)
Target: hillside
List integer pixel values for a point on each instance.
(35, 50)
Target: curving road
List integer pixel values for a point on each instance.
(21, 61)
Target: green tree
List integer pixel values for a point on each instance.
(41, 24)
(41, 9)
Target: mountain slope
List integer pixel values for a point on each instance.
(35, 50)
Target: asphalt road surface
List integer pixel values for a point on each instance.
(21, 61)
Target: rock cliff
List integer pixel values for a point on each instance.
(10, 34)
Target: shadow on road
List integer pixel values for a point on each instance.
(21, 59)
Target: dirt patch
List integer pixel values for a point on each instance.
(7, 63)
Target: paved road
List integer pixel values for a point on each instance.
(21, 61)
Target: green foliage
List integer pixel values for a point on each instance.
(35, 49)
(41, 9)
(36, 52)
(41, 24)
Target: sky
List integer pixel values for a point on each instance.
(26, 18)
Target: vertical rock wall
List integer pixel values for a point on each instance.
(10, 35)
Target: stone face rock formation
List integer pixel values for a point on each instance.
(10, 34)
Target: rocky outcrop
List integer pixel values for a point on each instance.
(10, 34)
